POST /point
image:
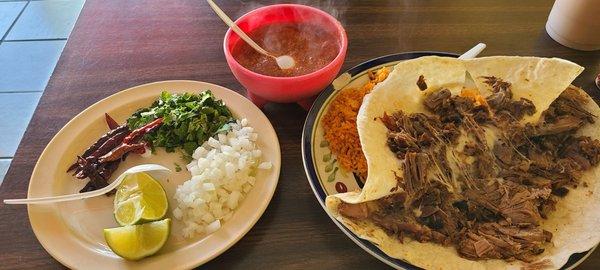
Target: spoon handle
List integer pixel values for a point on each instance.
(473, 52)
(69, 197)
(90, 194)
(62, 198)
(236, 29)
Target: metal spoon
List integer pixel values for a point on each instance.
(283, 61)
(90, 194)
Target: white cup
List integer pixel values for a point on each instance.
(575, 24)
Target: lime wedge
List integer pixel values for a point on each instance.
(140, 199)
(134, 242)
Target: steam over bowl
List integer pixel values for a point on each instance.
(262, 88)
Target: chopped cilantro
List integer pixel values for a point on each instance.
(188, 120)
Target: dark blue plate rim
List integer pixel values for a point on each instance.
(311, 172)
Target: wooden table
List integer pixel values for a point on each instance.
(119, 44)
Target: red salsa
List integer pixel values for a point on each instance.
(311, 46)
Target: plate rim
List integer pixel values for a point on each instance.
(311, 174)
(180, 265)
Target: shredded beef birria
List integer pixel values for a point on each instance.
(491, 205)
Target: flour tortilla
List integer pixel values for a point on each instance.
(540, 80)
(574, 222)
(398, 91)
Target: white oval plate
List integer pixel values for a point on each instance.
(326, 177)
(72, 231)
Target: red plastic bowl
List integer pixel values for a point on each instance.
(301, 89)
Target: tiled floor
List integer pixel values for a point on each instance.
(33, 34)
(8, 13)
(46, 20)
(29, 64)
(4, 163)
(22, 106)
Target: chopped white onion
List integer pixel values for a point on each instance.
(222, 174)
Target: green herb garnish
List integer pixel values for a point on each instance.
(177, 167)
(188, 120)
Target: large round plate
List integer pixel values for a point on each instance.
(72, 231)
(326, 177)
